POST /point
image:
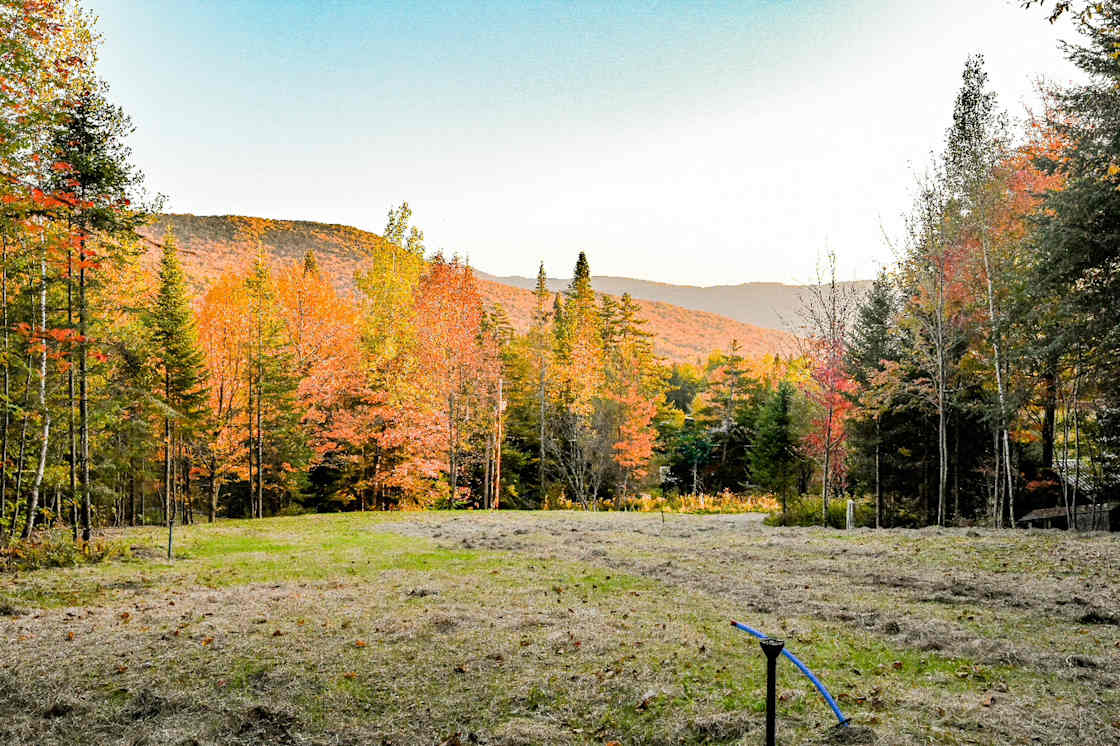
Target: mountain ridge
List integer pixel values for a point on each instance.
(770, 305)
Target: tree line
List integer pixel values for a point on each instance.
(975, 380)
(983, 368)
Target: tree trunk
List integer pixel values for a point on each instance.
(827, 467)
(22, 451)
(37, 483)
(943, 456)
(957, 467)
(251, 441)
(878, 477)
(70, 431)
(487, 471)
(168, 457)
(451, 475)
(1050, 406)
(260, 442)
(56, 506)
(540, 454)
(83, 395)
(188, 496)
(498, 453)
(215, 486)
(997, 362)
(7, 384)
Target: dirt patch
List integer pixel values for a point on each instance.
(147, 705)
(851, 734)
(146, 552)
(717, 727)
(1098, 617)
(260, 724)
(59, 708)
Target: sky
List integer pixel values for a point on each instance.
(687, 142)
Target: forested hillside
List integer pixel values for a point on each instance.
(213, 243)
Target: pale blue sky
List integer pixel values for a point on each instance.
(700, 142)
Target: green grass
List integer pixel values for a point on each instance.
(572, 629)
(231, 553)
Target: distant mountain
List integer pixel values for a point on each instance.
(210, 245)
(770, 305)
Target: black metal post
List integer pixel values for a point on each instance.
(772, 648)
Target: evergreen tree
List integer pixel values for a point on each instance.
(276, 444)
(872, 347)
(91, 142)
(542, 350)
(176, 346)
(1078, 243)
(775, 462)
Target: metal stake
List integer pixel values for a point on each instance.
(772, 648)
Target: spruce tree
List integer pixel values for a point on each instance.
(180, 362)
(872, 347)
(774, 457)
(275, 438)
(542, 349)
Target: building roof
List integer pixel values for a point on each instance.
(1060, 511)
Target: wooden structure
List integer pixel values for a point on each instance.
(1100, 517)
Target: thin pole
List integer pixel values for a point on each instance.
(772, 648)
(498, 452)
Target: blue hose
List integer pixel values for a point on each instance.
(805, 670)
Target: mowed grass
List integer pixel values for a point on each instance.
(558, 628)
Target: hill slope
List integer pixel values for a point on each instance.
(770, 305)
(210, 245)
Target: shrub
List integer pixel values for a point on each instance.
(724, 502)
(58, 550)
(806, 511)
(295, 509)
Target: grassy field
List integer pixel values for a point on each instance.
(564, 628)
